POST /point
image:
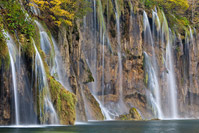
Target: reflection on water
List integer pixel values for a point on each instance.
(167, 126)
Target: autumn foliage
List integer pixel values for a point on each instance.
(62, 11)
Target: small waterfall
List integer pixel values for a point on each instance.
(171, 80)
(58, 68)
(152, 70)
(47, 111)
(13, 55)
(106, 113)
(92, 58)
(54, 58)
(167, 41)
(119, 52)
(153, 86)
(45, 41)
(103, 66)
(34, 9)
(121, 102)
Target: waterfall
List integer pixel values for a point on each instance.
(122, 107)
(152, 70)
(171, 80)
(13, 55)
(34, 9)
(167, 39)
(54, 58)
(92, 54)
(58, 69)
(44, 93)
(103, 85)
(45, 41)
(119, 57)
(106, 113)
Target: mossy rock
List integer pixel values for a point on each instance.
(63, 101)
(133, 115)
(4, 54)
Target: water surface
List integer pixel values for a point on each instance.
(166, 126)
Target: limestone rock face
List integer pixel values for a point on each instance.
(6, 110)
(79, 74)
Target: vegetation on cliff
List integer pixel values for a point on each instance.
(14, 18)
(62, 11)
(179, 13)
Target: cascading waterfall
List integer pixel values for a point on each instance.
(92, 57)
(34, 9)
(170, 72)
(54, 58)
(58, 68)
(119, 52)
(121, 102)
(45, 44)
(44, 93)
(153, 83)
(171, 80)
(13, 54)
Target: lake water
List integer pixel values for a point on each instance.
(166, 126)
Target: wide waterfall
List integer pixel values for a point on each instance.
(66, 62)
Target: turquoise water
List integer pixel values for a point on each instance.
(174, 126)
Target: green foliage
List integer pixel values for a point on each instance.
(174, 11)
(4, 55)
(14, 18)
(1, 28)
(169, 6)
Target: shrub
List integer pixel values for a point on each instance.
(14, 18)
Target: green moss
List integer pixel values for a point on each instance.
(4, 54)
(175, 12)
(63, 100)
(90, 77)
(135, 114)
(146, 78)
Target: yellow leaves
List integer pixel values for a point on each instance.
(68, 22)
(178, 4)
(42, 5)
(58, 23)
(61, 11)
